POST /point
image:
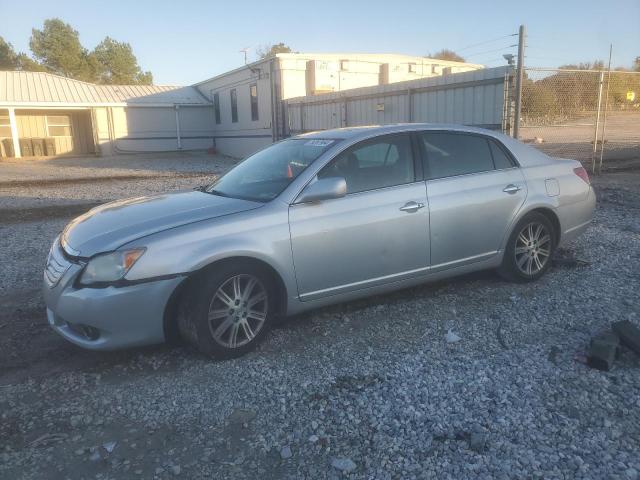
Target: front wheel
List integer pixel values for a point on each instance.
(230, 311)
(529, 249)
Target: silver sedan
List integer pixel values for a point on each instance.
(312, 220)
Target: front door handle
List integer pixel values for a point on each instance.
(511, 188)
(411, 207)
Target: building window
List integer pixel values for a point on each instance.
(412, 68)
(58, 125)
(344, 64)
(216, 107)
(253, 94)
(234, 106)
(5, 126)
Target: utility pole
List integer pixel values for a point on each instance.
(519, 78)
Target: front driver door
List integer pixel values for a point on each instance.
(377, 233)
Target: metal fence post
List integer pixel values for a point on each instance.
(344, 121)
(520, 77)
(595, 130)
(606, 108)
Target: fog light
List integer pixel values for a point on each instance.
(90, 333)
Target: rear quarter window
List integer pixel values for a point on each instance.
(500, 158)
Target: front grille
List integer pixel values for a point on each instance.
(57, 265)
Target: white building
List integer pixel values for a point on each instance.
(237, 112)
(43, 114)
(247, 102)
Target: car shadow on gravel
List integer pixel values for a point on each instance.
(30, 349)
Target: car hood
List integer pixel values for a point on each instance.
(108, 226)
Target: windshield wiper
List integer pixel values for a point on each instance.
(205, 189)
(217, 192)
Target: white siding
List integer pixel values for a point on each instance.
(152, 129)
(301, 74)
(241, 138)
(471, 98)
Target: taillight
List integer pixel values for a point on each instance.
(582, 173)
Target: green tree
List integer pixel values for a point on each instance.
(10, 60)
(446, 54)
(8, 56)
(118, 65)
(57, 47)
(271, 50)
(28, 64)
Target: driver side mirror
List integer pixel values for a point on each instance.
(324, 189)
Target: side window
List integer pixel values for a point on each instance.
(500, 158)
(216, 107)
(234, 105)
(382, 162)
(58, 125)
(5, 127)
(450, 154)
(253, 96)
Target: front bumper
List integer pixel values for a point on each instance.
(108, 318)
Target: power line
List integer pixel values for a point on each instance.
(485, 42)
(492, 51)
(494, 60)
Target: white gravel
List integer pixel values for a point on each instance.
(374, 383)
(121, 165)
(38, 183)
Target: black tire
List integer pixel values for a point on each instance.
(512, 268)
(194, 323)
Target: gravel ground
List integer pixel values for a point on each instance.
(368, 389)
(88, 180)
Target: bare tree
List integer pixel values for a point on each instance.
(270, 50)
(446, 54)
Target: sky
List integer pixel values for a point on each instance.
(188, 41)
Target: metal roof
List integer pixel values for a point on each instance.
(33, 89)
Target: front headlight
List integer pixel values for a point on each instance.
(110, 267)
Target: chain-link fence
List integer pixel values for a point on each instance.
(583, 114)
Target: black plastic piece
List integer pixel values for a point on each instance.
(603, 350)
(629, 335)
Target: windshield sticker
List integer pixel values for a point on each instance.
(318, 143)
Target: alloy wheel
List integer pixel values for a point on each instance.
(238, 310)
(533, 248)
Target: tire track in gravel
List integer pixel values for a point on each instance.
(48, 182)
(47, 212)
(34, 214)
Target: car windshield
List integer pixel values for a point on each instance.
(264, 175)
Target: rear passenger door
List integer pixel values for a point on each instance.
(475, 189)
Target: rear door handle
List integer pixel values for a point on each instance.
(411, 207)
(511, 188)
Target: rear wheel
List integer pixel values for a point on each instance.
(230, 310)
(529, 249)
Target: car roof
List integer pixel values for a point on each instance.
(525, 154)
(370, 130)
